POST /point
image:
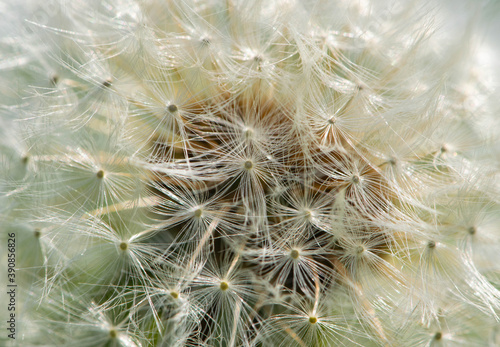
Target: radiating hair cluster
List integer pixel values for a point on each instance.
(249, 173)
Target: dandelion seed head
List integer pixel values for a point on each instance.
(250, 173)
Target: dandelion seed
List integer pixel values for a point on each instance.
(198, 213)
(107, 83)
(248, 165)
(172, 108)
(355, 179)
(360, 249)
(113, 334)
(100, 174)
(472, 230)
(224, 286)
(205, 41)
(249, 133)
(54, 79)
